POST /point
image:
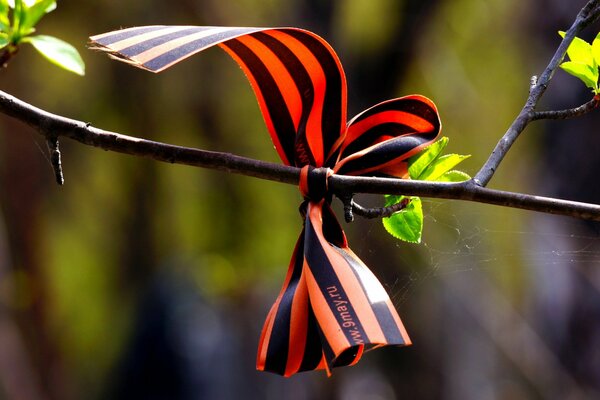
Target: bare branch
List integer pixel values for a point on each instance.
(52, 125)
(53, 149)
(569, 113)
(379, 212)
(588, 14)
(7, 54)
(468, 190)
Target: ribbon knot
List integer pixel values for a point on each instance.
(331, 307)
(313, 182)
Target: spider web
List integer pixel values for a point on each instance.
(511, 281)
(467, 239)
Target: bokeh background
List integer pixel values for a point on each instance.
(144, 280)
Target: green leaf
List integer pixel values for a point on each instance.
(580, 51)
(28, 3)
(596, 49)
(429, 164)
(58, 52)
(453, 176)
(406, 224)
(18, 17)
(4, 40)
(417, 164)
(34, 13)
(442, 165)
(4, 21)
(587, 74)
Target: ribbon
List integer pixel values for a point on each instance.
(331, 308)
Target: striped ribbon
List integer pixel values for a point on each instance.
(331, 307)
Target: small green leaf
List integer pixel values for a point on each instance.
(406, 224)
(580, 51)
(596, 49)
(417, 164)
(429, 164)
(34, 13)
(442, 165)
(58, 52)
(4, 21)
(4, 41)
(453, 176)
(587, 74)
(18, 18)
(28, 3)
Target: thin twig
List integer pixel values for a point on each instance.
(594, 13)
(55, 160)
(588, 14)
(379, 212)
(569, 113)
(7, 54)
(348, 201)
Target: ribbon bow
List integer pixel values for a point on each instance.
(331, 307)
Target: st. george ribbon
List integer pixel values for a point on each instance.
(331, 307)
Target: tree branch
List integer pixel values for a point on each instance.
(588, 14)
(379, 212)
(52, 125)
(569, 113)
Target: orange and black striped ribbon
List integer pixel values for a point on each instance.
(331, 307)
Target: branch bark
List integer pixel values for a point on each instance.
(52, 126)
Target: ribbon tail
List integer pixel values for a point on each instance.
(352, 309)
(290, 340)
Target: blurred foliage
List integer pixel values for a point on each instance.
(121, 223)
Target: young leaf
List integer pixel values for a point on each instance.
(34, 13)
(58, 52)
(18, 17)
(441, 165)
(580, 51)
(28, 3)
(418, 163)
(587, 74)
(406, 224)
(453, 176)
(4, 21)
(596, 49)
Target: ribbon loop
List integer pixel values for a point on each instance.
(313, 182)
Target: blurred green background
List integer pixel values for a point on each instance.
(139, 279)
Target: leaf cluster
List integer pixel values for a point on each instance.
(428, 165)
(18, 19)
(584, 59)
